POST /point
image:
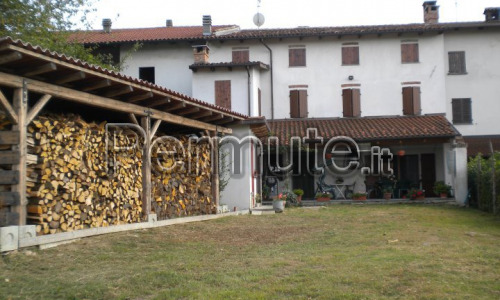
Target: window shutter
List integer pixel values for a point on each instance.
(350, 55)
(347, 103)
(294, 104)
(223, 93)
(462, 111)
(407, 101)
(457, 62)
(356, 103)
(302, 103)
(409, 53)
(241, 56)
(297, 57)
(259, 93)
(416, 100)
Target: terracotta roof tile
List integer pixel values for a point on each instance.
(367, 128)
(145, 34)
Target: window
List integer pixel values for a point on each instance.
(409, 52)
(241, 55)
(350, 54)
(297, 56)
(411, 100)
(462, 111)
(456, 61)
(298, 103)
(223, 93)
(351, 101)
(147, 74)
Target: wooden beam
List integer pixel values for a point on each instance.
(119, 91)
(201, 114)
(10, 58)
(140, 97)
(11, 114)
(37, 108)
(21, 106)
(9, 157)
(9, 199)
(105, 103)
(9, 137)
(158, 102)
(9, 177)
(213, 118)
(70, 78)
(40, 70)
(175, 106)
(8, 218)
(133, 119)
(98, 85)
(214, 142)
(225, 121)
(146, 167)
(188, 111)
(155, 127)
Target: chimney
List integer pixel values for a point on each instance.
(431, 12)
(170, 23)
(200, 53)
(106, 25)
(207, 25)
(492, 14)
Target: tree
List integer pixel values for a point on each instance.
(47, 23)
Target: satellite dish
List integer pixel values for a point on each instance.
(258, 19)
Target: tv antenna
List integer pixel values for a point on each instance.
(258, 18)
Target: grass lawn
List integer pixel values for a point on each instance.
(343, 252)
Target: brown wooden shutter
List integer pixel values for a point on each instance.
(457, 62)
(347, 103)
(302, 103)
(461, 110)
(241, 56)
(350, 55)
(407, 101)
(223, 93)
(297, 57)
(416, 100)
(356, 103)
(259, 97)
(294, 104)
(409, 53)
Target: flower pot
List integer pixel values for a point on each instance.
(299, 198)
(278, 206)
(322, 199)
(420, 197)
(443, 195)
(387, 196)
(359, 198)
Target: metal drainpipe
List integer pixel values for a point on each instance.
(272, 82)
(248, 91)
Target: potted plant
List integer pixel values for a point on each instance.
(279, 203)
(387, 192)
(323, 197)
(298, 193)
(258, 200)
(265, 192)
(417, 194)
(359, 196)
(442, 189)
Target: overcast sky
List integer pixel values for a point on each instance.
(281, 13)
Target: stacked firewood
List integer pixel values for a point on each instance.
(181, 178)
(78, 180)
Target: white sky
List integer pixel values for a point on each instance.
(281, 13)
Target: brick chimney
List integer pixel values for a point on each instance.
(200, 53)
(106, 25)
(170, 23)
(431, 12)
(207, 25)
(492, 14)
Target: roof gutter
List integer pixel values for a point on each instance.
(272, 80)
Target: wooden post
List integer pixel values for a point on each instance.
(215, 168)
(20, 105)
(478, 182)
(146, 167)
